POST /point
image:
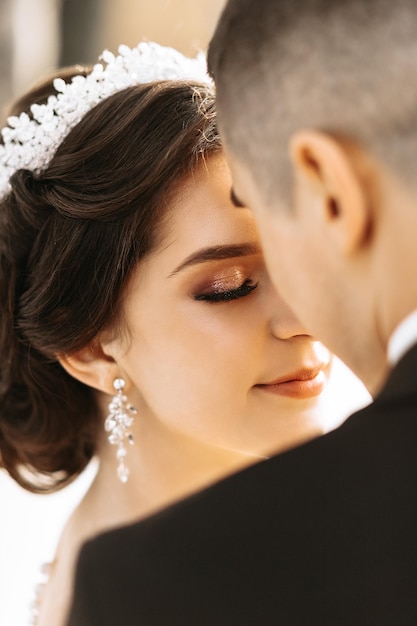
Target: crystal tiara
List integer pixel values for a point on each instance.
(31, 142)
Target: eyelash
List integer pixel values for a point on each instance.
(227, 296)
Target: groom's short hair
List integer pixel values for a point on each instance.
(347, 67)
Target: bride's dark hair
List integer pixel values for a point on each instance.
(69, 239)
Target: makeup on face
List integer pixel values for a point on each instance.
(221, 279)
(221, 274)
(306, 383)
(213, 352)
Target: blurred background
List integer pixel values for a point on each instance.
(35, 37)
(39, 35)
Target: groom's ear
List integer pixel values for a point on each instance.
(91, 366)
(332, 172)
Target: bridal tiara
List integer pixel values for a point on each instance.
(30, 142)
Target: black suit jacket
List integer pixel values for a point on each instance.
(323, 535)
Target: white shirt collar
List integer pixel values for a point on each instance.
(402, 339)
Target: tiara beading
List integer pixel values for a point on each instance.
(31, 142)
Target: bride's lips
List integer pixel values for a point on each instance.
(305, 383)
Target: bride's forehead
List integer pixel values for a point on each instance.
(204, 215)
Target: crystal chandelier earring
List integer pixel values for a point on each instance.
(118, 423)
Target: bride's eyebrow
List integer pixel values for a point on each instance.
(218, 253)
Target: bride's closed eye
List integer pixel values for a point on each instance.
(225, 287)
(227, 295)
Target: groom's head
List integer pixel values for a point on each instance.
(317, 104)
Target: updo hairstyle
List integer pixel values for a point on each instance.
(69, 239)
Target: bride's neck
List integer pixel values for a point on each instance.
(164, 468)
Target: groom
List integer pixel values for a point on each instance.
(318, 110)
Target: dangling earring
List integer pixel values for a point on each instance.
(118, 423)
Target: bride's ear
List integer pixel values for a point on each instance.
(91, 366)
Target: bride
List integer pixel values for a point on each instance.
(139, 323)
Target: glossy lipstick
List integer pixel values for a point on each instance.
(306, 383)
